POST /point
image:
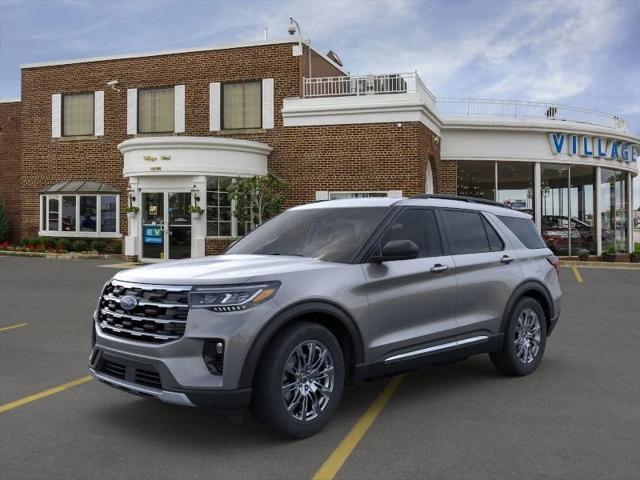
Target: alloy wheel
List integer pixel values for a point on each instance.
(308, 380)
(527, 335)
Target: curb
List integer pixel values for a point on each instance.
(60, 256)
(609, 265)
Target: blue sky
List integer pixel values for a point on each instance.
(577, 52)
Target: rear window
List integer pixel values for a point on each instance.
(525, 230)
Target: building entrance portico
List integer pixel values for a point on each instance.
(169, 174)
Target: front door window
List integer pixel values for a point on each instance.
(166, 225)
(153, 242)
(179, 225)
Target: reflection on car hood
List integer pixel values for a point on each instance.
(220, 269)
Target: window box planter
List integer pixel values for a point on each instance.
(615, 257)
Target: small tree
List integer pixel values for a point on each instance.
(4, 223)
(257, 198)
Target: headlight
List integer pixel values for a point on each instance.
(231, 299)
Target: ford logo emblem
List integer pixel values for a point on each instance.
(128, 302)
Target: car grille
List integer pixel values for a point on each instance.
(160, 315)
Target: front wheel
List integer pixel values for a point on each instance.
(299, 381)
(524, 340)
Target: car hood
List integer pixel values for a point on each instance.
(220, 269)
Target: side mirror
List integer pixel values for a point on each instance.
(397, 250)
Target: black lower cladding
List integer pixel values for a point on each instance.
(159, 378)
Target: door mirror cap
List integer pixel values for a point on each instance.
(397, 250)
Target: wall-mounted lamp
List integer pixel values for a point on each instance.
(195, 193)
(132, 197)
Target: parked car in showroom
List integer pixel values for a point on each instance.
(330, 293)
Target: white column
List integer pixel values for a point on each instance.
(199, 226)
(132, 241)
(537, 196)
(598, 219)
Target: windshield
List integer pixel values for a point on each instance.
(330, 234)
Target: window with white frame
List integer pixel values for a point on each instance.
(66, 210)
(78, 114)
(221, 219)
(156, 110)
(242, 105)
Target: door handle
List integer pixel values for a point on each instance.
(438, 268)
(506, 259)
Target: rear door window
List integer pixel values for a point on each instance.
(495, 242)
(525, 230)
(466, 232)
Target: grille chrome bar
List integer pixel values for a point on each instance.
(148, 286)
(135, 333)
(146, 303)
(136, 318)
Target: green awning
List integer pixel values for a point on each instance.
(80, 186)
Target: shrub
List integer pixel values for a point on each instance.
(98, 246)
(80, 246)
(28, 242)
(115, 246)
(48, 242)
(65, 244)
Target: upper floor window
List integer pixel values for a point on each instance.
(78, 114)
(156, 110)
(242, 105)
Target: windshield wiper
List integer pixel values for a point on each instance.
(281, 253)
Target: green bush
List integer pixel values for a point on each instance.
(28, 242)
(48, 242)
(80, 246)
(115, 246)
(65, 244)
(98, 246)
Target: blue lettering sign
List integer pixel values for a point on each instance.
(601, 151)
(573, 148)
(153, 235)
(586, 147)
(614, 150)
(557, 141)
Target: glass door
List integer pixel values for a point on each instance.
(179, 225)
(153, 228)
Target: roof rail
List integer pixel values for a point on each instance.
(459, 198)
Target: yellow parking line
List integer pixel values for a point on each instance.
(121, 265)
(37, 396)
(11, 327)
(576, 273)
(340, 455)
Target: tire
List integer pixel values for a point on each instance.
(521, 355)
(289, 375)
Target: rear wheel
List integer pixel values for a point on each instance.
(524, 339)
(299, 381)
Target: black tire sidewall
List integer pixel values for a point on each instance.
(268, 385)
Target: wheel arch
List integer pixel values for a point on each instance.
(532, 289)
(323, 312)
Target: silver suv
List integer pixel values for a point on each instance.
(329, 293)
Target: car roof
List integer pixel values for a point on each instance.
(435, 201)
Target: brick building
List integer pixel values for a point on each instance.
(162, 131)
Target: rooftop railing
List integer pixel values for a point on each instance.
(526, 109)
(357, 85)
(399, 83)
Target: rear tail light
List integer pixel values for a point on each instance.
(555, 261)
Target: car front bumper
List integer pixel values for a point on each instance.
(123, 371)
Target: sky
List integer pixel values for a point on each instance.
(577, 52)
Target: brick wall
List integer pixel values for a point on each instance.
(341, 157)
(10, 162)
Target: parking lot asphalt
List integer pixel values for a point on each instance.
(577, 416)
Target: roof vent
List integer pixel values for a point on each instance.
(333, 56)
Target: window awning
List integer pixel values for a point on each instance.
(80, 186)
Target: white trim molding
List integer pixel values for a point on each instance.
(132, 111)
(186, 155)
(397, 108)
(56, 115)
(98, 111)
(214, 107)
(179, 109)
(268, 106)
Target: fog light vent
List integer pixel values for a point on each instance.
(213, 355)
